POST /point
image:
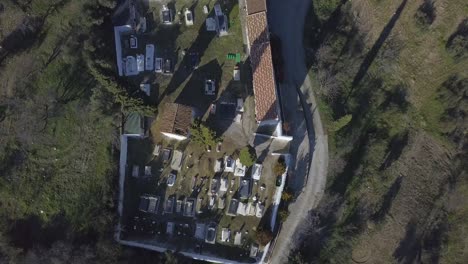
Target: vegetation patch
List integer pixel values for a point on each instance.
(457, 44)
(280, 167)
(203, 135)
(247, 156)
(426, 13)
(381, 95)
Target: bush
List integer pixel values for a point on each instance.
(458, 41)
(280, 167)
(247, 156)
(263, 236)
(426, 15)
(287, 196)
(170, 258)
(324, 8)
(283, 214)
(459, 46)
(295, 257)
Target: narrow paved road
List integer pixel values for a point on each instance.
(286, 19)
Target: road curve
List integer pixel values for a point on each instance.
(286, 20)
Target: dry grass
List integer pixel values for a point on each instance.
(456, 246)
(10, 18)
(424, 167)
(424, 63)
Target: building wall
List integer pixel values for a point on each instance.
(118, 45)
(174, 136)
(271, 122)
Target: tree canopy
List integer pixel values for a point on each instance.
(203, 135)
(280, 167)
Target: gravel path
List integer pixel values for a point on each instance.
(286, 19)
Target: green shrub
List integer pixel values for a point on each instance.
(324, 8)
(287, 196)
(170, 258)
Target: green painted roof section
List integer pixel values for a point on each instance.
(134, 124)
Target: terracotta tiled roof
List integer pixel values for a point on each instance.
(255, 6)
(262, 67)
(263, 82)
(257, 29)
(176, 119)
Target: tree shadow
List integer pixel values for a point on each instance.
(264, 153)
(396, 97)
(295, 182)
(30, 32)
(354, 44)
(371, 55)
(22, 38)
(342, 180)
(226, 108)
(246, 75)
(320, 31)
(409, 248)
(388, 200)
(200, 45)
(265, 222)
(258, 47)
(433, 242)
(395, 149)
(193, 93)
(32, 231)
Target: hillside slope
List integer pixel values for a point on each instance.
(393, 85)
(58, 124)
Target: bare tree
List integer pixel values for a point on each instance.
(328, 85)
